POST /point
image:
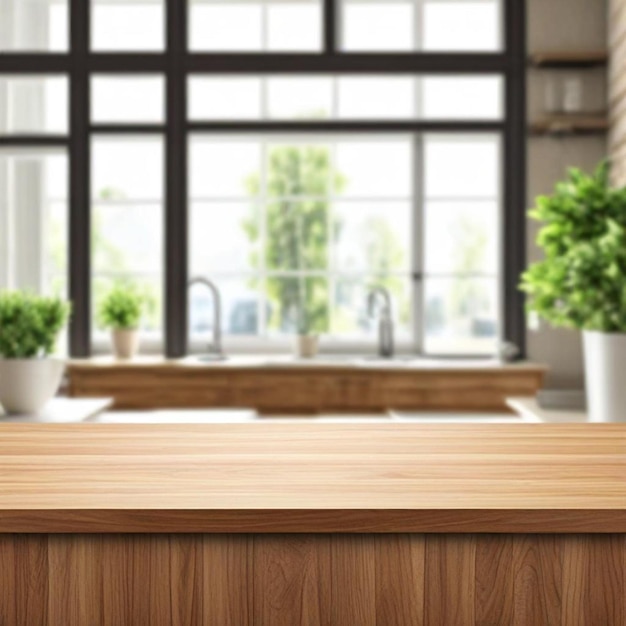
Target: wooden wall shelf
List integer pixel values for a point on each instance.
(569, 59)
(570, 125)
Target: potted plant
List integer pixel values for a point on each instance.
(307, 340)
(311, 317)
(29, 327)
(581, 283)
(121, 311)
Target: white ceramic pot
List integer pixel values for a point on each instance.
(26, 385)
(605, 374)
(306, 346)
(125, 342)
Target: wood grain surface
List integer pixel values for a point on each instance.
(310, 580)
(310, 389)
(313, 478)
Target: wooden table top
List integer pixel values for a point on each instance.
(313, 478)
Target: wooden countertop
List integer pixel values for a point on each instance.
(313, 478)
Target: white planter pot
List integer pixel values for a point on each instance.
(125, 342)
(605, 373)
(306, 346)
(26, 385)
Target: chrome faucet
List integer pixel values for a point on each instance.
(385, 323)
(216, 348)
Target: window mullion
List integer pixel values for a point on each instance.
(418, 230)
(263, 330)
(176, 201)
(79, 254)
(330, 27)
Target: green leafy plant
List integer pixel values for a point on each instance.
(121, 308)
(581, 283)
(30, 324)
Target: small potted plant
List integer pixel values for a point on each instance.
(311, 317)
(121, 311)
(29, 327)
(581, 283)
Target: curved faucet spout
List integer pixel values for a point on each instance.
(385, 323)
(372, 298)
(216, 348)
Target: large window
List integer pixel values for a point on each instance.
(293, 152)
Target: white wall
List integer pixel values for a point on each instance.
(617, 89)
(562, 25)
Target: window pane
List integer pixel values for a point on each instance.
(297, 212)
(40, 26)
(225, 27)
(127, 99)
(429, 25)
(462, 26)
(378, 26)
(376, 98)
(300, 98)
(350, 319)
(372, 237)
(297, 234)
(244, 26)
(127, 168)
(294, 26)
(462, 167)
(224, 98)
(345, 97)
(296, 169)
(34, 105)
(216, 230)
(458, 97)
(127, 221)
(297, 304)
(223, 169)
(461, 237)
(461, 316)
(240, 308)
(127, 25)
(380, 168)
(127, 238)
(34, 220)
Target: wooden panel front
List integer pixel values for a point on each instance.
(310, 580)
(303, 390)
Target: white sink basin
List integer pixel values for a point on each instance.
(177, 416)
(457, 418)
(250, 416)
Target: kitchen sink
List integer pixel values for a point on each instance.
(250, 416)
(419, 417)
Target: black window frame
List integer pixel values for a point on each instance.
(176, 63)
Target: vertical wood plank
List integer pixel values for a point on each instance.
(291, 580)
(538, 579)
(186, 579)
(31, 578)
(450, 576)
(575, 579)
(8, 591)
(227, 580)
(136, 580)
(400, 579)
(353, 580)
(75, 579)
(494, 580)
(606, 580)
